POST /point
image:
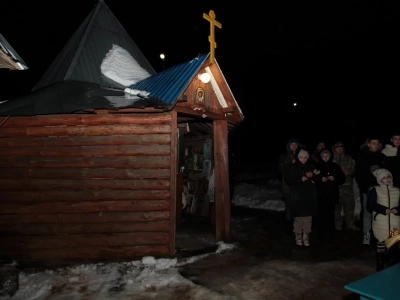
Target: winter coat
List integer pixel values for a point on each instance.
(329, 191)
(285, 161)
(303, 195)
(345, 160)
(379, 199)
(393, 162)
(366, 161)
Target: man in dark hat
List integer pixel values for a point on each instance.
(393, 157)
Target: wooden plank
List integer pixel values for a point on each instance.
(84, 173)
(174, 172)
(222, 197)
(89, 119)
(83, 184)
(117, 150)
(139, 161)
(101, 217)
(27, 196)
(94, 253)
(83, 207)
(104, 130)
(139, 139)
(229, 109)
(85, 240)
(18, 229)
(191, 112)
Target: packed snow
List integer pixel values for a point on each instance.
(148, 278)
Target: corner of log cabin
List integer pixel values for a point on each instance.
(84, 188)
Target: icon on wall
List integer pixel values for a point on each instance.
(200, 95)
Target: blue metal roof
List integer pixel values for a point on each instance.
(166, 86)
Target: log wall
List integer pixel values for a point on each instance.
(86, 188)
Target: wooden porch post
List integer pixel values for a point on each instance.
(222, 197)
(173, 168)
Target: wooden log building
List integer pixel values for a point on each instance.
(83, 180)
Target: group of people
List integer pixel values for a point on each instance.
(334, 190)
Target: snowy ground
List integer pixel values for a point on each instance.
(259, 191)
(262, 263)
(148, 278)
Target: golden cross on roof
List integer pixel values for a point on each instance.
(211, 38)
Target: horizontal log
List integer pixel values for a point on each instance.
(138, 139)
(85, 240)
(27, 196)
(140, 161)
(134, 110)
(92, 119)
(84, 173)
(105, 130)
(116, 150)
(96, 254)
(82, 228)
(83, 207)
(103, 217)
(83, 184)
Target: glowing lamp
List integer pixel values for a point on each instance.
(205, 77)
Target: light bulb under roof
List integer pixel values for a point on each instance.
(205, 77)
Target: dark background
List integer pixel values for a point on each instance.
(338, 61)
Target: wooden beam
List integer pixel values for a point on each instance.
(173, 180)
(182, 98)
(141, 109)
(185, 119)
(137, 110)
(207, 114)
(229, 109)
(222, 196)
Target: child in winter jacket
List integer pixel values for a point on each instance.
(383, 204)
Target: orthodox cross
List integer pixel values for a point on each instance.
(211, 38)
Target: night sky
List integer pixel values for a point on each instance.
(338, 61)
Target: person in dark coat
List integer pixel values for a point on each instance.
(332, 176)
(367, 161)
(393, 157)
(285, 160)
(315, 156)
(301, 177)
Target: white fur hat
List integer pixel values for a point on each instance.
(303, 153)
(380, 173)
